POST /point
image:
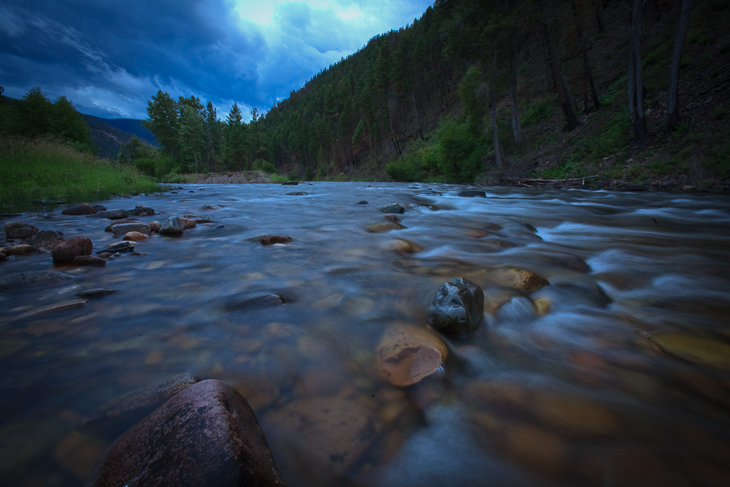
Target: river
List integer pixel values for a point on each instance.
(615, 374)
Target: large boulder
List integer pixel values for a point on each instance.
(205, 435)
(10, 227)
(23, 233)
(69, 249)
(392, 208)
(31, 278)
(82, 209)
(173, 227)
(46, 239)
(274, 239)
(457, 308)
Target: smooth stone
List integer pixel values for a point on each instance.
(10, 227)
(362, 202)
(392, 208)
(22, 233)
(695, 349)
(32, 278)
(172, 227)
(46, 239)
(472, 194)
(332, 433)
(188, 223)
(543, 305)
(274, 239)
(138, 210)
(120, 247)
(88, 260)
(110, 227)
(403, 246)
(82, 209)
(95, 293)
(575, 415)
(205, 435)
(155, 226)
(111, 215)
(384, 227)
(125, 228)
(457, 308)
(71, 248)
(147, 397)
(495, 298)
(53, 308)
(99, 207)
(392, 218)
(255, 301)
(135, 236)
(104, 255)
(517, 278)
(407, 354)
(22, 249)
(297, 193)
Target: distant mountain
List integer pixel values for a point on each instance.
(110, 133)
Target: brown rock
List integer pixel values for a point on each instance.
(406, 354)
(23, 249)
(205, 435)
(135, 236)
(392, 218)
(78, 453)
(517, 278)
(88, 260)
(535, 448)
(10, 227)
(188, 223)
(403, 246)
(46, 239)
(110, 227)
(155, 226)
(23, 233)
(274, 239)
(146, 398)
(695, 349)
(71, 248)
(495, 298)
(574, 414)
(384, 227)
(82, 209)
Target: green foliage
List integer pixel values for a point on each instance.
(163, 121)
(538, 110)
(38, 169)
(278, 178)
(718, 156)
(615, 136)
(719, 112)
(616, 91)
(268, 167)
(135, 149)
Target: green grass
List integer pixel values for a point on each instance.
(35, 169)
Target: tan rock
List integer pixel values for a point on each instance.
(392, 218)
(574, 414)
(135, 236)
(155, 226)
(543, 305)
(188, 223)
(62, 306)
(495, 298)
(23, 249)
(384, 227)
(403, 246)
(502, 396)
(517, 278)
(406, 354)
(695, 349)
(274, 239)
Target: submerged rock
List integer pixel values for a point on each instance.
(32, 278)
(205, 435)
(274, 239)
(111, 215)
(392, 208)
(514, 277)
(46, 239)
(392, 218)
(88, 260)
(110, 227)
(403, 246)
(10, 227)
(457, 308)
(138, 210)
(121, 247)
(53, 308)
(173, 227)
(99, 207)
(135, 236)
(407, 354)
(155, 226)
(695, 349)
(23, 249)
(384, 227)
(23, 233)
(82, 209)
(255, 301)
(125, 228)
(472, 194)
(95, 293)
(71, 248)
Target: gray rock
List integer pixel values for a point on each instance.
(121, 247)
(472, 194)
(31, 278)
(10, 227)
(392, 208)
(71, 248)
(125, 228)
(141, 209)
(95, 293)
(88, 260)
(82, 209)
(111, 215)
(110, 227)
(46, 239)
(172, 227)
(23, 233)
(205, 435)
(457, 307)
(255, 301)
(99, 207)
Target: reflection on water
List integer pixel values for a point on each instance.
(616, 374)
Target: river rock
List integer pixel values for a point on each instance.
(110, 227)
(53, 308)
(188, 223)
(125, 228)
(406, 354)
(514, 277)
(392, 208)
(695, 349)
(535, 448)
(31, 278)
(147, 397)
(73, 247)
(575, 415)
(10, 227)
(99, 207)
(23, 233)
(173, 227)
(135, 236)
(384, 227)
(111, 215)
(255, 301)
(332, 433)
(138, 210)
(46, 239)
(274, 239)
(206, 435)
(403, 246)
(362, 202)
(392, 218)
(78, 453)
(155, 226)
(22, 249)
(3, 257)
(82, 209)
(457, 308)
(472, 194)
(88, 260)
(121, 247)
(495, 298)
(95, 293)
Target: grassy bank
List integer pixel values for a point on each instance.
(32, 170)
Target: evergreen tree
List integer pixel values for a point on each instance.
(235, 139)
(191, 140)
(162, 113)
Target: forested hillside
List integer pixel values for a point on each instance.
(626, 90)
(110, 134)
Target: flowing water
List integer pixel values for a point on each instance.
(615, 374)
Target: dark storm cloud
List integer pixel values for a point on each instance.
(110, 56)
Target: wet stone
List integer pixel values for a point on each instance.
(135, 236)
(392, 218)
(46, 239)
(99, 207)
(111, 215)
(188, 223)
(574, 415)
(120, 247)
(517, 278)
(274, 239)
(457, 308)
(125, 228)
(88, 260)
(535, 448)
(695, 349)
(32, 278)
(138, 210)
(403, 246)
(82, 209)
(110, 227)
(384, 227)
(362, 202)
(10, 227)
(95, 293)
(155, 226)
(472, 194)
(255, 301)
(71, 248)
(407, 354)
(23, 249)
(147, 397)
(173, 227)
(22, 233)
(392, 208)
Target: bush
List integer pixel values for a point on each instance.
(268, 168)
(538, 110)
(404, 170)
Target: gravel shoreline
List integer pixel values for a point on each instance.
(233, 178)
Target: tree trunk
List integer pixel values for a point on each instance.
(516, 125)
(636, 93)
(589, 85)
(673, 118)
(493, 102)
(415, 109)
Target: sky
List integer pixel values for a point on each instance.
(110, 56)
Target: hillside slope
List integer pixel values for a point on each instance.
(109, 134)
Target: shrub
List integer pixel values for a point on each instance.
(268, 168)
